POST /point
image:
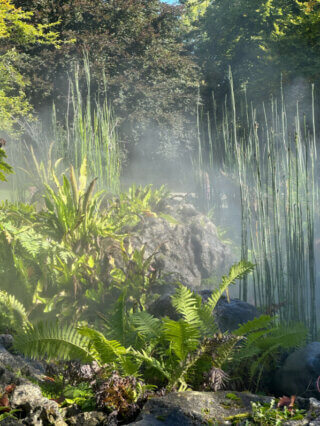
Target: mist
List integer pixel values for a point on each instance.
(159, 212)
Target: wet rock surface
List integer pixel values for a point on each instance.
(300, 371)
(12, 366)
(34, 408)
(218, 408)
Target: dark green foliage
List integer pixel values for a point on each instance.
(53, 259)
(166, 352)
(260, 352)
(260, 41)
(5, 169)
(54, 341)
(13, 315)
(137, 47)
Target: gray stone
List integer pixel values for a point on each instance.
(11, 364)
(6, 340)
(300, 371)
(188, 250)
(92, 418)
(230, 315)
(196, 408)
(37, 410)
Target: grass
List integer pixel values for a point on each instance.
(271, 161)
(89, 131)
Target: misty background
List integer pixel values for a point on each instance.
(218, 98)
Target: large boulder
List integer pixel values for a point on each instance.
(216, 408)
(13, 366)
(25, 396)
(230, 314)
(197, 408)
(300, 371)
(34, 408)
(187, 249)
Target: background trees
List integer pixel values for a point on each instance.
(260, 40)
(138, 47)
(15, 31)
(150, 58)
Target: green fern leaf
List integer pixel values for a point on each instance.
(237, 271)
(144, 357)
(106, 351)
(15, 310)
(146, 325)
(183, 337)
(187, 304)
(51, 341)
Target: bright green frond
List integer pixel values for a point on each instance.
(107, 351)
(183, 337)
(51, 341)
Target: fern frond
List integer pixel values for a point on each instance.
(144, 357)
(237, 271)
(263, 322)
(51, 341)
(183, 337)
(187, 304)
(146, 325)
(284, 337)
(15, 309)
(129, 365)
(106, 351)
(225, 350)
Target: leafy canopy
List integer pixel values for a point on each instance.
(17, 31)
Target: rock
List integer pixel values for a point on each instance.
(218, 408)
(6, 340)
(300, 371)
(314, 412)
(196, 408)
(36, 410)
(11, 364)
(229, 315)
(187, 250)
(162, 307)
(91, 418)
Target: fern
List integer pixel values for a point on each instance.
(105, 351)
(183, 337)
(225, 351)
(237, 272)
(187, 304)
(51, 341)
(146, 325)
(263, 343)
(260, 323)
(117, 323)
(151, 361)
(14, 312)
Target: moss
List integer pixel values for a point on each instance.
(240, 416)
(161, 418)
(233, 397)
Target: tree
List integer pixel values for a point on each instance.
(138, 46)
(296, 40)
(15, 30)
(5, 169)
(237, 34)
